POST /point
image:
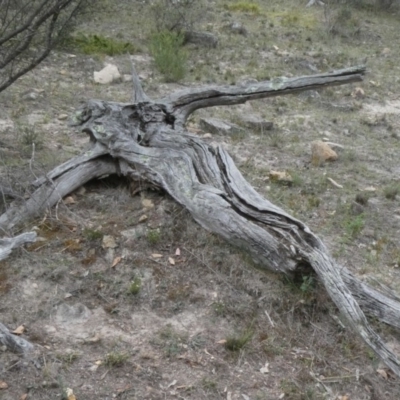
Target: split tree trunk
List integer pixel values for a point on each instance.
(146, 140)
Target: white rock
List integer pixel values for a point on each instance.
(107, 75)
(6, 125)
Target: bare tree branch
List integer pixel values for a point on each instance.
(30, 29)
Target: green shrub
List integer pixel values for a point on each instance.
(98, 44)
(29, 136)
(237, 342)
(169, 56)
(391, 191)
(135, 286)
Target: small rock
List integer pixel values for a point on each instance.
(256, 124)
(127, 78)
(386, 51)
(216, 126)
(147, 203)
(207, 136)
(30, 96)
(62, 117)
(134, 233)
(107, 75)
(356, 208)
(6, 125)
(322, 152)
(238, 28)
(109, 242)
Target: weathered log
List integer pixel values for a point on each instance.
(8, 244)
(7, 339)
(146, 140)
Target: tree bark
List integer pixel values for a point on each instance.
(146, 140)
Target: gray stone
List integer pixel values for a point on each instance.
(256, 124)
(216, 126)
(6, 125)
(30, 96)
(134, 233)
(201, 38)
(107, 75)
(237, 27)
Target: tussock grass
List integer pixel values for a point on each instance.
(98, 44)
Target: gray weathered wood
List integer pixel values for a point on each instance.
(146, 140)
(12, 342)
(7, 339)
(8, 244)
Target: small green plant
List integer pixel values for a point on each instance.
(308, 284)
(68, 358)
(29, 136)
(237, 342)
(170, 341)
(92, 235)
(153, 236)
(209, 384)
(391, 191)
(244, 6)
(135, 286)
(98, 44)
(354, 226)
(219, 308)
(115, 359)
(169, 56)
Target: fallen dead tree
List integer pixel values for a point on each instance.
(146, 140)
(7, 339)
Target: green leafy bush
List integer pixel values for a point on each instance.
(169, 56)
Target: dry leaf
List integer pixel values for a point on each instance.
(369, 189)
(116, 261)
(70, 394)
(178, 252)
(171, 260)
(3, 385)
(19, 330)
(173, 383)
(156, 255)
(69, 200)
(265, 369)
(143, 218)
(24, 396)
(222, 341)
(147, 203)
(382, 373)
(334, 183)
